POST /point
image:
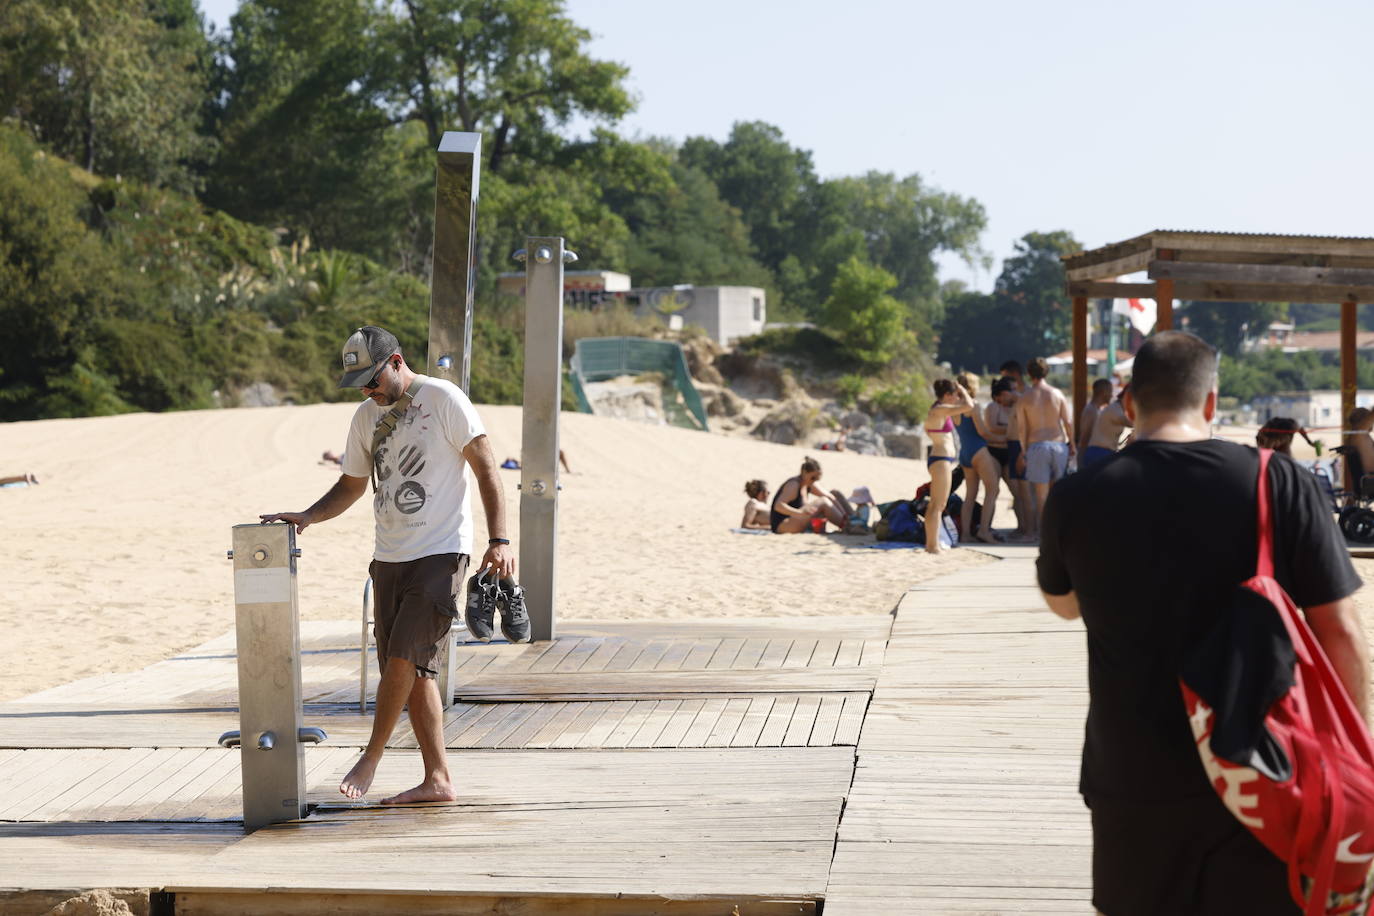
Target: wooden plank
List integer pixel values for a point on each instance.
(1216, 291)
(827, 720)
(657, 720)
(555, 685)
(751, 727)
(751, 653)
(776, 653)
(509, 724)
(551, 657)
(803, 720)
(848, 730)
(678, 724)
(799, 655)
(601, 730)
(704, 723)
(557, 725)
(779, 718)
(723, 733)
(475, 726)
(606, 651)
(670, 658)
(630, 723)
(494, 723)
(581, 723)
(581, 652)
(543, 714)
(825, 653)
(1262, 273)
(726, 653)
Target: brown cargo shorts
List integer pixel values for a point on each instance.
(413, 607)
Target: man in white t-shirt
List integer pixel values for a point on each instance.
(423, 540)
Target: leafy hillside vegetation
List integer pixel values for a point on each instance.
(188, 212)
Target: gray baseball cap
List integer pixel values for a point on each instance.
(366, 351)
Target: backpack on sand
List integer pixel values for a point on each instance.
(1281, 741)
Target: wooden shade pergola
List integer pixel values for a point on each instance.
(1223, 267)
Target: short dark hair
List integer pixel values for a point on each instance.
(1010, 365)
(943, 386)
(1036, 368)
(1003, 384)
(1102, 383)
(1174, 370)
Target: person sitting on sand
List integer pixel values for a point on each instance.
(756, 509)
(1277, 433)
(951, 400)
(799, 501)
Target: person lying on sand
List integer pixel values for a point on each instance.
(26, 480)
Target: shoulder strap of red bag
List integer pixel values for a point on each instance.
(1264, 563)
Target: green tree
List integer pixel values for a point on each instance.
(307, 141)
(680, 231)
(512, 69)
(1034, 313)
(1226, 325)
(970, 337)
(764, 177)
(117, 87)
(861, 313)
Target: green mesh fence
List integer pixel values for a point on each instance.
(599, 358)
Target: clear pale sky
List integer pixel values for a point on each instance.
(1107, 119)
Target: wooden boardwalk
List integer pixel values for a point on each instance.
(965, 795)
(926, 766)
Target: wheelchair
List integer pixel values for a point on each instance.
(1354, 510)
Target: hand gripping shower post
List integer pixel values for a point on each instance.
(271, 734)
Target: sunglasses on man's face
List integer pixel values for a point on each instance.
(378, 376)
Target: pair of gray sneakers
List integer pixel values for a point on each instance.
(486, 596)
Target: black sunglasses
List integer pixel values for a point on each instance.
(378, 375)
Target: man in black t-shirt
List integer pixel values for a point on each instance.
(1147, 546)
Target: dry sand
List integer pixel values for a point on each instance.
(117, 560)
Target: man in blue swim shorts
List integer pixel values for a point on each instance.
(1045, 428)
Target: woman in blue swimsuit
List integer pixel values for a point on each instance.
(951, 400)
(979, 464)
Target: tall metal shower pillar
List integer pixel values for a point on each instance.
(452, 284)
(454, 276)
(544, 259)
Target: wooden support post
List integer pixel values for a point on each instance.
(1164, 298)
(1080, 362)
(1349, 377)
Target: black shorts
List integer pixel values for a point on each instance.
(1183, 858)
(413, 607)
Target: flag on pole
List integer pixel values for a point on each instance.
(1141, 312)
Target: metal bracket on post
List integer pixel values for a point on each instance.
(544, 259)
(267, 624)
(452, 284)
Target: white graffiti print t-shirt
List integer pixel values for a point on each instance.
(422, 503)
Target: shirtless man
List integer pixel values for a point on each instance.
(1102, 396)
(1045, 429)
(1106, 434)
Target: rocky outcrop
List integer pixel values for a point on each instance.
(721, 401)
(790, 422)
(627, 399)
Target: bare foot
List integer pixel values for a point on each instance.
(359, 779)
(989, 537)
(431, 790)
(935, 550)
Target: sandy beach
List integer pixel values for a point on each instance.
(117, 560)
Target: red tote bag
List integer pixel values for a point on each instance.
(1281, 741)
